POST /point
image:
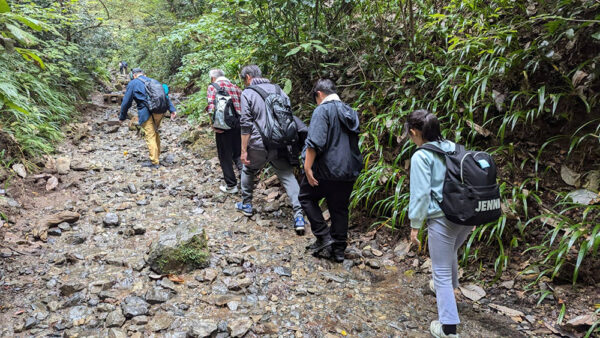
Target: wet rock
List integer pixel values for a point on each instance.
(116, 333)
(63, 165)
(235, 259)
(373, 263)
(159, 322)
(178, 249)
(115, 319)
(140, 320)
(111, 220)
(54, 232)
(132, 188)
(167, 283)
(330, 277)
(30, 323)
(70, 288)
(232, 271)
(138, 229)
(64, 226)
(239, 326)
(158, 295)
(77, 239)
(134, 306)
(236, 284)
(20, 170)
(75, 299)
(77, 313)
(105, 307)
(203, 328)
(207, 275)
(283, 271)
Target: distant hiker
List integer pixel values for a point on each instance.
(123, 67)
(427, 172)
(332, 163)
(224, 108)
(152, 103)
(267, 127)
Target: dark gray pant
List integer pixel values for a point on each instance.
(284, 171)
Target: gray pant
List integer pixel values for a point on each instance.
(445, 238)
(284, 171)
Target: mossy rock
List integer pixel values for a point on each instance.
(181, 249)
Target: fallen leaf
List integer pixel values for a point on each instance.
(578, 77)
(569, 176)
(52, 183)
(19, 312)
(472, 291)
(175, 279)
(479, 129)
(582, 196)
(507, 311)
(583, 320)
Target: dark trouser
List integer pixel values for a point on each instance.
(337, 195)
(229, 145)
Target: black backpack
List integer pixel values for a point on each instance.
(156, 99)
(280, 129)
(471, 195)
(224, 115)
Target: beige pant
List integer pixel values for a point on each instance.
(152, 136)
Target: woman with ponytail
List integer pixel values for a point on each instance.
(427, 172)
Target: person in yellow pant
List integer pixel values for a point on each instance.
(136, 91)
(153, 137)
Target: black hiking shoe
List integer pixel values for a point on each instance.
(320, 243)
(338, 252)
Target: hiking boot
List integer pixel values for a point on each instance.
(229, 190)
(338, 254)
(437, 331)
(320, 243)
(149, 164)
(245, 209)
(299, 225)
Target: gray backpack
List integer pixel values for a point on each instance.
(224, 116)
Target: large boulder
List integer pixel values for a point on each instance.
(181, 248)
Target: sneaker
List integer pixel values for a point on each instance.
(150, 165)
(299, 225)
(436, 330)
(320, 243)
(229, 190)
(245, 209)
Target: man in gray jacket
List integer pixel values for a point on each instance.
(255, 154)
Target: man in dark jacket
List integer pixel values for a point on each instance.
(332, 163)
(254, 154)
(136, 91)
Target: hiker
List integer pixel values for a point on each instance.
(332, 162)
(224, 107)
(123, 67)
(152, 103)
(259, 148)
(427, 173)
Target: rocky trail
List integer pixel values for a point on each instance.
(76, 260)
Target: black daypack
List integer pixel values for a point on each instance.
(156, 99)
(471, 195)
(224, 115)
(280, 129)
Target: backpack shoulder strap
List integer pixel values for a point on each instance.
(260, 91)
(216, 85)
(433, 148)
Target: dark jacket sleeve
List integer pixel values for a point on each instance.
(317, 130)
(246, 118)
(171, 106)
(127, 101)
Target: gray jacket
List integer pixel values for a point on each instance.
(254, 111)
